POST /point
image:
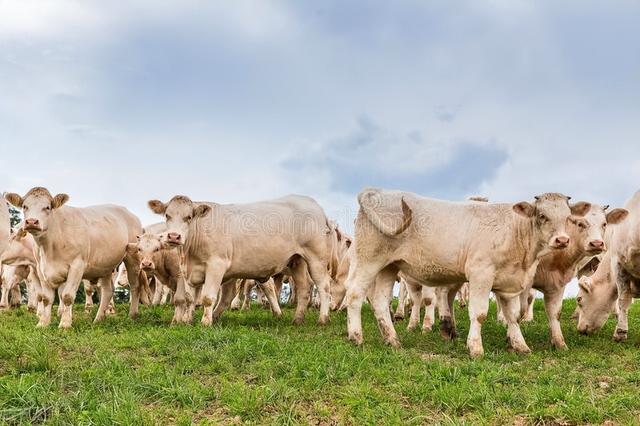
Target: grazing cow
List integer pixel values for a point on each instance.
(75, 244)
(338, 289)
(492, 246)
(558, 269)
(159, 260)
(616, 279)
(222, 243)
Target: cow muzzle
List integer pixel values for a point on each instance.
(32, 224)
(560, 242)
(146, 265)
(596, 247)
(174, 238)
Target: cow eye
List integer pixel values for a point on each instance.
(188, 218)
(542, 217)
(579, 299)
(581, 225)
(47, 208)
(604, 225)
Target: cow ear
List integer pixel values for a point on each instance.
(14, 199)
(616, 216)
(59, 200)
(524, 209)
(585, 284)
(580, 208)
(201, 210)
(157, 206)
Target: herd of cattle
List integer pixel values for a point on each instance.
(212, 255)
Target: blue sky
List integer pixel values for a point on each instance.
(247, 100)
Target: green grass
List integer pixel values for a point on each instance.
(252, 368)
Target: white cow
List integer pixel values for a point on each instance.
(492, 246)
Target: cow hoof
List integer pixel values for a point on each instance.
(298, 321)
(560, 346)
(323, 320)
(427, 329)
(395, 343)
(356, 338)
(620, 335)
(64, 325)
(476, 352)
(411, 327)
(206, 322)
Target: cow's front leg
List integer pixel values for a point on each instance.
(511, 309)
(321, 277)
(479, 289)
(415, 293)
(625, 299)
(210, 290)
(46, 295)
(106, 293)
(553, 307)
(135, 278)
(89, 289)
(69, 291)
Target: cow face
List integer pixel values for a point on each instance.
(146, 247)
(37, 206)
(589, 230)
(550, 215)
(596, 300)
(179, 213)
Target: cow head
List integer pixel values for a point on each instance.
(550, 214)
(179, 213)
(589, 230)
(146, 247)
(18, 251)
(37, 206)
(596, 301)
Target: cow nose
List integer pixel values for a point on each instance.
(596, 244)
(562, 241)
(174, 237)
(146, 264)
(31, 222)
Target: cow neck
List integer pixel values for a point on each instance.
(524, 240)
(568, 258)
(192, 243)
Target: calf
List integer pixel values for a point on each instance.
(492, 246)
(76, 243)
(160, 260)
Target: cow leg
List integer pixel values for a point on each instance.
(236, 303)
(211, 290)
(157, 293)
(45, 298)
(479, 289)
(625, 299)
(226, 296)
(106, 293)
(511, 310)
(360, 279)
(322, 279)
(401, 309)
(277, 287)
(381, 298)
(499, 314)
(553, 307)
(89, 289)
(446, 296)
(135, 283)
(527, 299)
(303, 287)
(246, 291)
(268, 288)
(415, 292)
(463, 295)
(16, 296)
(190, 298)
(4, 299)
(68, 293)
(32, 291)
(429, 310)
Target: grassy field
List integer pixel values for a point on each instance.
(251, 368)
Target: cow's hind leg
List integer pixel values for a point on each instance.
(303, 289)
(360, 279)
(511, 310)
(382, 294)
(415, 292)
(268, 288)
(479, 289)
(322, 279)
(227, 292)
